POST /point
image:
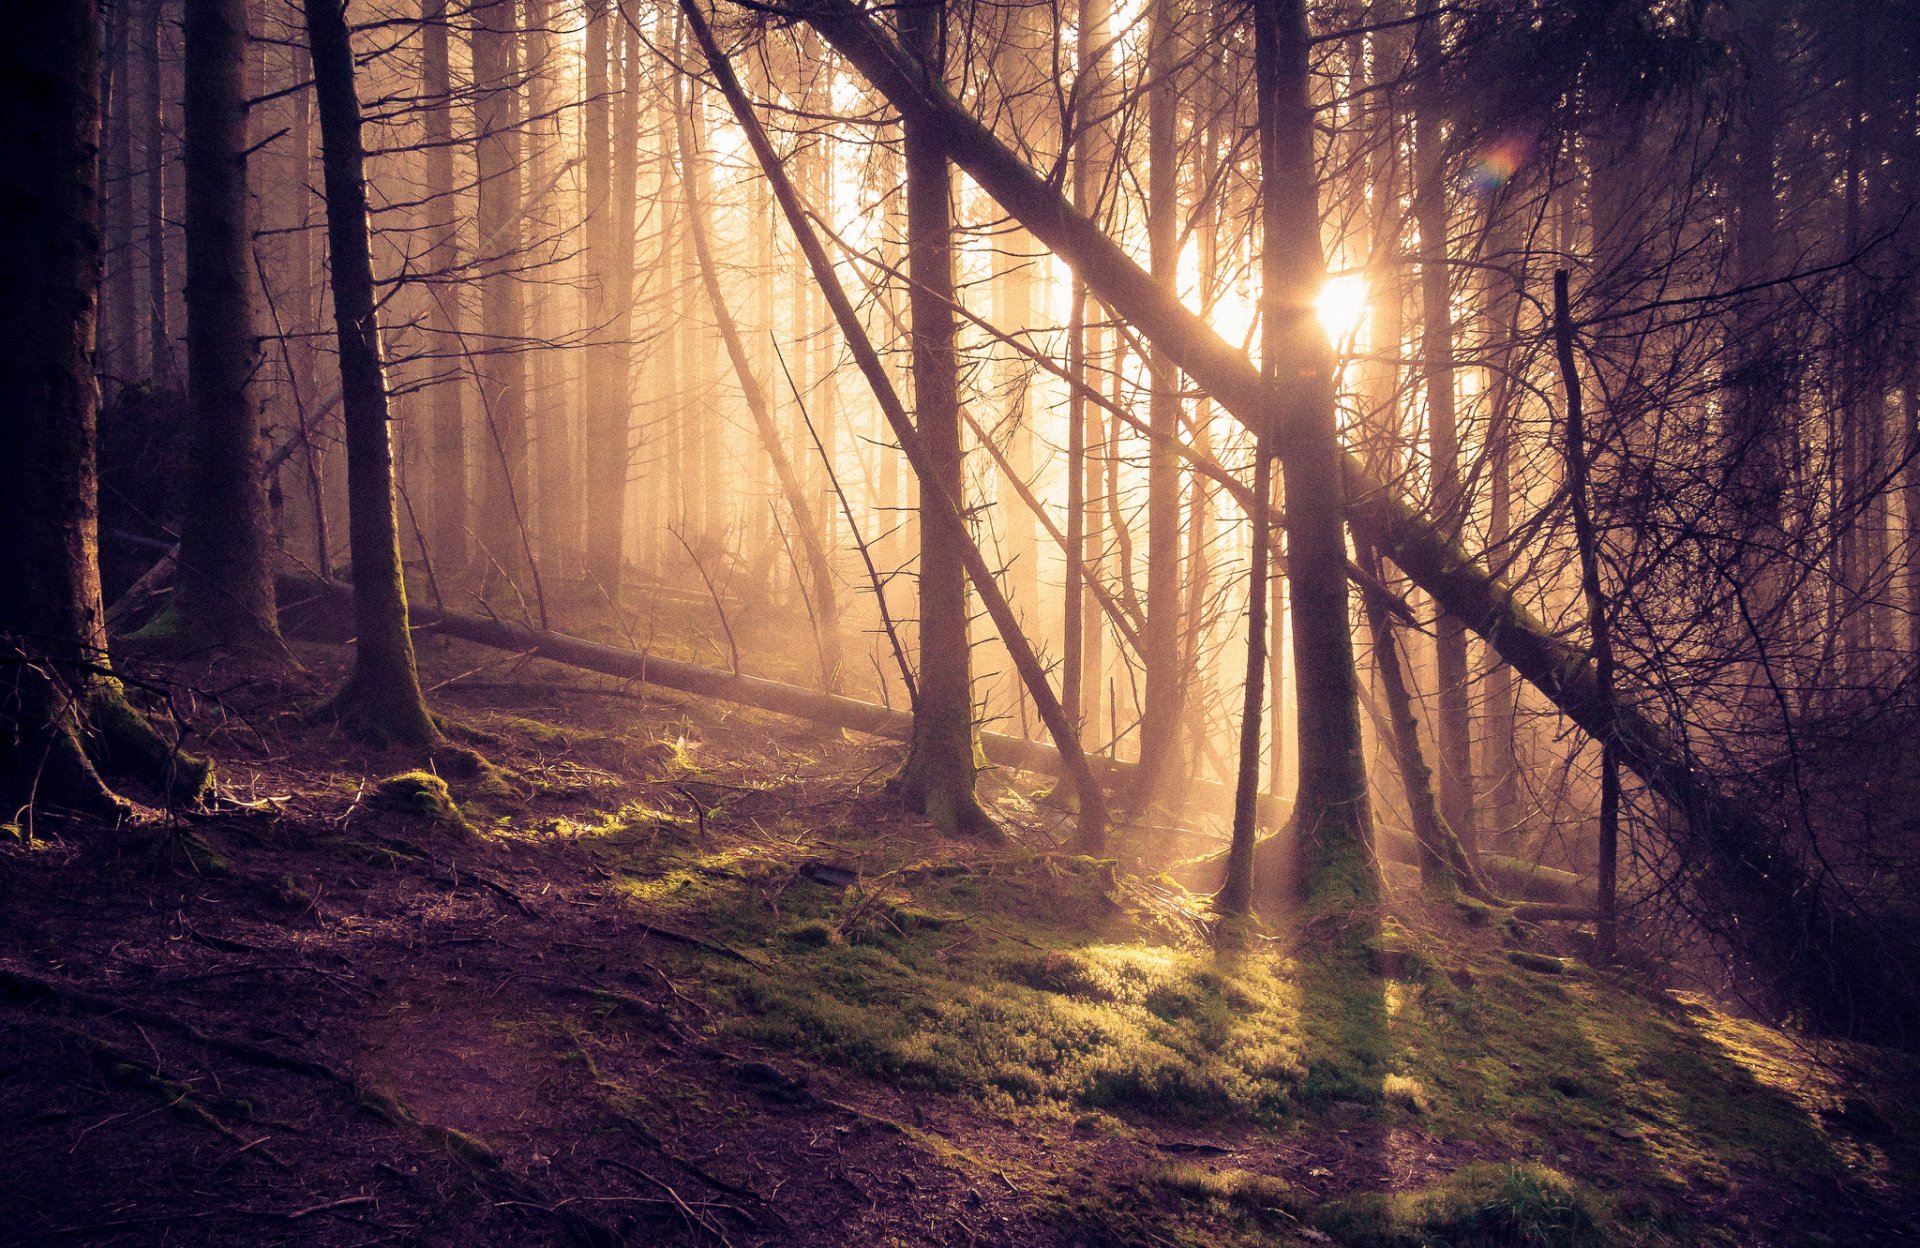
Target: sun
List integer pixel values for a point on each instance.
(1342, 306)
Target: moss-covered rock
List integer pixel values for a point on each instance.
(421, 795)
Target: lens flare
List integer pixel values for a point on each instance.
(1342, 306)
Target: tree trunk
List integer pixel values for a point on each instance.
(603, 379)
(502, 363)
(1453, 728)
(808, 527)
(939, 506)
(1333, 826)
(451, 544)
(224, 595)
(154, 159)
(938, 778)
(381, 699)
(1160, 711)
(557, 518)
(70, 728)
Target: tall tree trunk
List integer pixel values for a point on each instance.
(807, 526)
(1453, 728)
(154, 160)
(1333, 825)
(502, 366)
(938, 778)
(381, 698)
(224, 594)
(71, 729)
(447, 433)
(1160, 712)
(603, 381)
(553, 490)
(120, 300)
(1092, 158)
(1505, 279)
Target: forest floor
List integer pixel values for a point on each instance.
(671, 972)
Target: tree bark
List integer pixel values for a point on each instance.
(1453, 726)
(1160, 711)
(224, 595)
(451, 542)
(502, 363)
(71, 729)
(607, 305)
(381, 699)
(938, 778)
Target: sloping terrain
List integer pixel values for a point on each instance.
(630, 969)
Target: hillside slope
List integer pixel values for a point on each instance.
(644, 970)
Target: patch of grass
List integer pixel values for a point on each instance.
(1480, 1206)
(1231, 1186)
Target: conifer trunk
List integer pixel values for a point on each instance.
(224, 595)
(381, 698)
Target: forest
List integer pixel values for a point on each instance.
(956, 622)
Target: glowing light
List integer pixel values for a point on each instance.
(1496, 164)
(1342, 306)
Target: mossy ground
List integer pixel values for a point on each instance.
(707, 946)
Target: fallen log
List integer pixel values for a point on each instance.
(830, 709)
(1798, 929)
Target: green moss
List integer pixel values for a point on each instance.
(420, 794)
(1231, 1186)
(1498, 1206)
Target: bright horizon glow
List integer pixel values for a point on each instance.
(1341, 306)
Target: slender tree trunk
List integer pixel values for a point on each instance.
(381, 698)
(1092, 157)
(70, 729)
(603, 380)
(1160, 712)
(447, 433)
(1453, 727)
(938, 778)
(122, 302)
(154, 158)
(502, 366)
(808, 528)
(224, 594)
(1499, 759)
(553, 492)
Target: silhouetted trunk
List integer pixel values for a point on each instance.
(1453, 728)
(154, 159)
(224, 594)
(603, 379)
(1083, 659)
(381, 699)
(939, 506)
(938, 778)
(68, 728)
(502, 363)
(807, 526)
(1165, 681)
(554, 508)
(451, 545)
(1597, 620)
